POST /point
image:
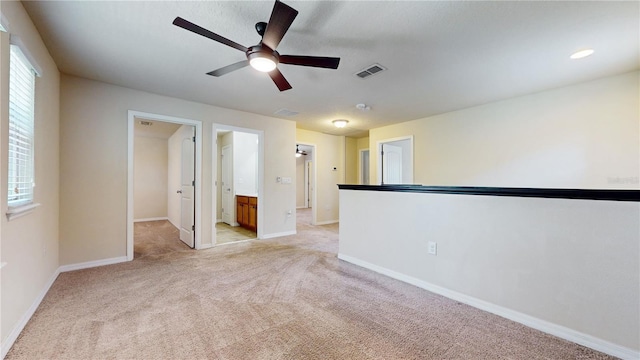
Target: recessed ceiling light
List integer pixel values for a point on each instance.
(581, 54)
(340, 123)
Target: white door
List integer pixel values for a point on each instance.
(187, 189)
(392, 164)
(227, 197)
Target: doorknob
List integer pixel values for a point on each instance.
(179, 191)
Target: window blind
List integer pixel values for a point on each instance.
(21, 129)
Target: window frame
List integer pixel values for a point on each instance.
(17, 50)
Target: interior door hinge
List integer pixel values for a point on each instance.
(193, 183)
(194, 139)
(193, 227)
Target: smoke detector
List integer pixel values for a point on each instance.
(363, 107)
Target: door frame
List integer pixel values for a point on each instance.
(232, 213)
(132, 116)
(314, 164)
(306, 182)
(379, 144)
(214, 173)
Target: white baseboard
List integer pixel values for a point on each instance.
(218, 221)
(205, 246)
(530, 321)
(13, 336)
(275, 235)
(151, 219)
(327, 222)
(92, 264)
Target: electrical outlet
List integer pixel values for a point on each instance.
(432, 248)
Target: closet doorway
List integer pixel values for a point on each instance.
(152, 193)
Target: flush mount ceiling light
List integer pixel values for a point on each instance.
(340, 123)
(581, 54)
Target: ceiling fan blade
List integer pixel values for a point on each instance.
(229, 68)
(315, 61)
(282, 16)
(279, 79)
(185, 24)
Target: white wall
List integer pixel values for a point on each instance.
(580, 136)
(568, 263)
(351, 160)
(150, 178)
(245, 163)
(29, 244)
(93, 154)
(328, 154)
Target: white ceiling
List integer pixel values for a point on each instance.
(441, 55)
(157, 129)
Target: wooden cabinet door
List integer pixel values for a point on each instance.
(241, 203)
(252, 219)
(245, 214)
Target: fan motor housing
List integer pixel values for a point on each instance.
(262, 51)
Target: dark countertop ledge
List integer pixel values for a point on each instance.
(583, 194)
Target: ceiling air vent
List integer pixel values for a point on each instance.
(145, 123)
(285, 112)
(371, 70)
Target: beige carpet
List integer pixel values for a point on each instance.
(285, 298)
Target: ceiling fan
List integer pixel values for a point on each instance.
(263, 57)
(300, 152)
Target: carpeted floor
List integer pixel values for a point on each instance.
(285, 298)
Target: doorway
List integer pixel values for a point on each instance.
(305, 183)
(395, 161)
(238, 184)
(363, 169)
(189, 173)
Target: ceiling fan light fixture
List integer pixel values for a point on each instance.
(263, 64)
(262, 59)
(340, 123)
